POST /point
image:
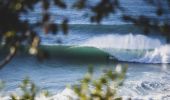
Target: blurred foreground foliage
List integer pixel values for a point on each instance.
(104, 87)
(29, 91)
(15, 32)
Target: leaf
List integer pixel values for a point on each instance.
(64, 26)
(53, 28)
(45, 4)
(159, 11)
(80, 4)
(45, 18)
(60, 3)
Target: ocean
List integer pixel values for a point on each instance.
(113, 42)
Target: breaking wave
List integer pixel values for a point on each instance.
(132, 48)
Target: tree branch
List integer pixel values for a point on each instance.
(9, 57)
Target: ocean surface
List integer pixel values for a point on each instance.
(148, 57)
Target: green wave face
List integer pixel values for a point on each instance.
(87, 53)
(78, 53)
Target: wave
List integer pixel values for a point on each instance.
(154, 56)
(132, 48)
(129, 48)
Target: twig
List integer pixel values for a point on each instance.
(9, 57)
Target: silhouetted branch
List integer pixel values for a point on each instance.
(9, 57)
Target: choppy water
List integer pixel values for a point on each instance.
(148, 74)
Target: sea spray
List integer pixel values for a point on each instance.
(158, 55)
(129, 41)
